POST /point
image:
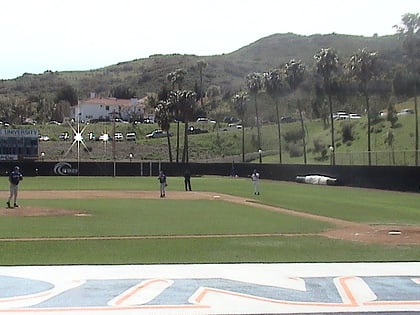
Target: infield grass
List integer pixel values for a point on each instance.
(353, 204)
(201, 231)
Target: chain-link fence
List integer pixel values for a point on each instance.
(397, 158)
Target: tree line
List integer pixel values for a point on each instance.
(311, 89)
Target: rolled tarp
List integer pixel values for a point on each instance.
(316, 180)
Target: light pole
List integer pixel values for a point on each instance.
(260, 154)
(331, 148)
(130, 156)
(42, 156)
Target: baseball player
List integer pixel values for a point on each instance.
(255, 177)
(162, 184)
(187, 179)
(14, 178)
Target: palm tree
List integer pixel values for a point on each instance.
(176, 78)
(254, 85)
(273, 83)
(186, 99)
(295, 71)
(239, 102)
(201, 64)
(363, 66)
(410, 31)
(164, 116)
(327, 66)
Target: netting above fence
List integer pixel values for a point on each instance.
(397, 158)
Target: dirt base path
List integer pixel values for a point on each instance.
(346, 230)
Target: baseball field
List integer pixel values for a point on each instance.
(121, 220)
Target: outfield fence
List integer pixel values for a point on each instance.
(389, 177)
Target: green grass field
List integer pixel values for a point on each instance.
(140, 231)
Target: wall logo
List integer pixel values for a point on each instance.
(64, 168)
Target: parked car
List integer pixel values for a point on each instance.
(130, 136)
(64, 136)
(231, 127)
(44, 138)
(287, 119)
(194, 130)
(406, 111)
(157, 133)
(231, 120)
(341, 115)
(104, 137)
(234, 125)
(119, 120)
(205, 120)
(91, 136)
(54, 122)
(354, 116)
(118, 136)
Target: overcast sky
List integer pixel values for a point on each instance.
(59, 35)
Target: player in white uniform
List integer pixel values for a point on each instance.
(255, 177)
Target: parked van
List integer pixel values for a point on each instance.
(118, 136)
(130, 136)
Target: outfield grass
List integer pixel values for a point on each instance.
(152, 224)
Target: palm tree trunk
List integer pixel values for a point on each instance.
(368, 128)
(185, 151)
(243, 142)
(332, 130)
(303, 131)
(169, 146)
(177, 141)
(417, 122)
(258, 125)
(279, 130)
(201, 86)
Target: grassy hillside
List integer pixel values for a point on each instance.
(227, 71)
(224, 144)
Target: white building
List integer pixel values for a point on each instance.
(106, 109)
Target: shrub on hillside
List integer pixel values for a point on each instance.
(294, 149)
(293, 135)
(347, 132)
(319, 146)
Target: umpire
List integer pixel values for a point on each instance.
(187, 179)
(14, 178)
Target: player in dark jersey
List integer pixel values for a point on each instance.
(162, 184)
(14, 178)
